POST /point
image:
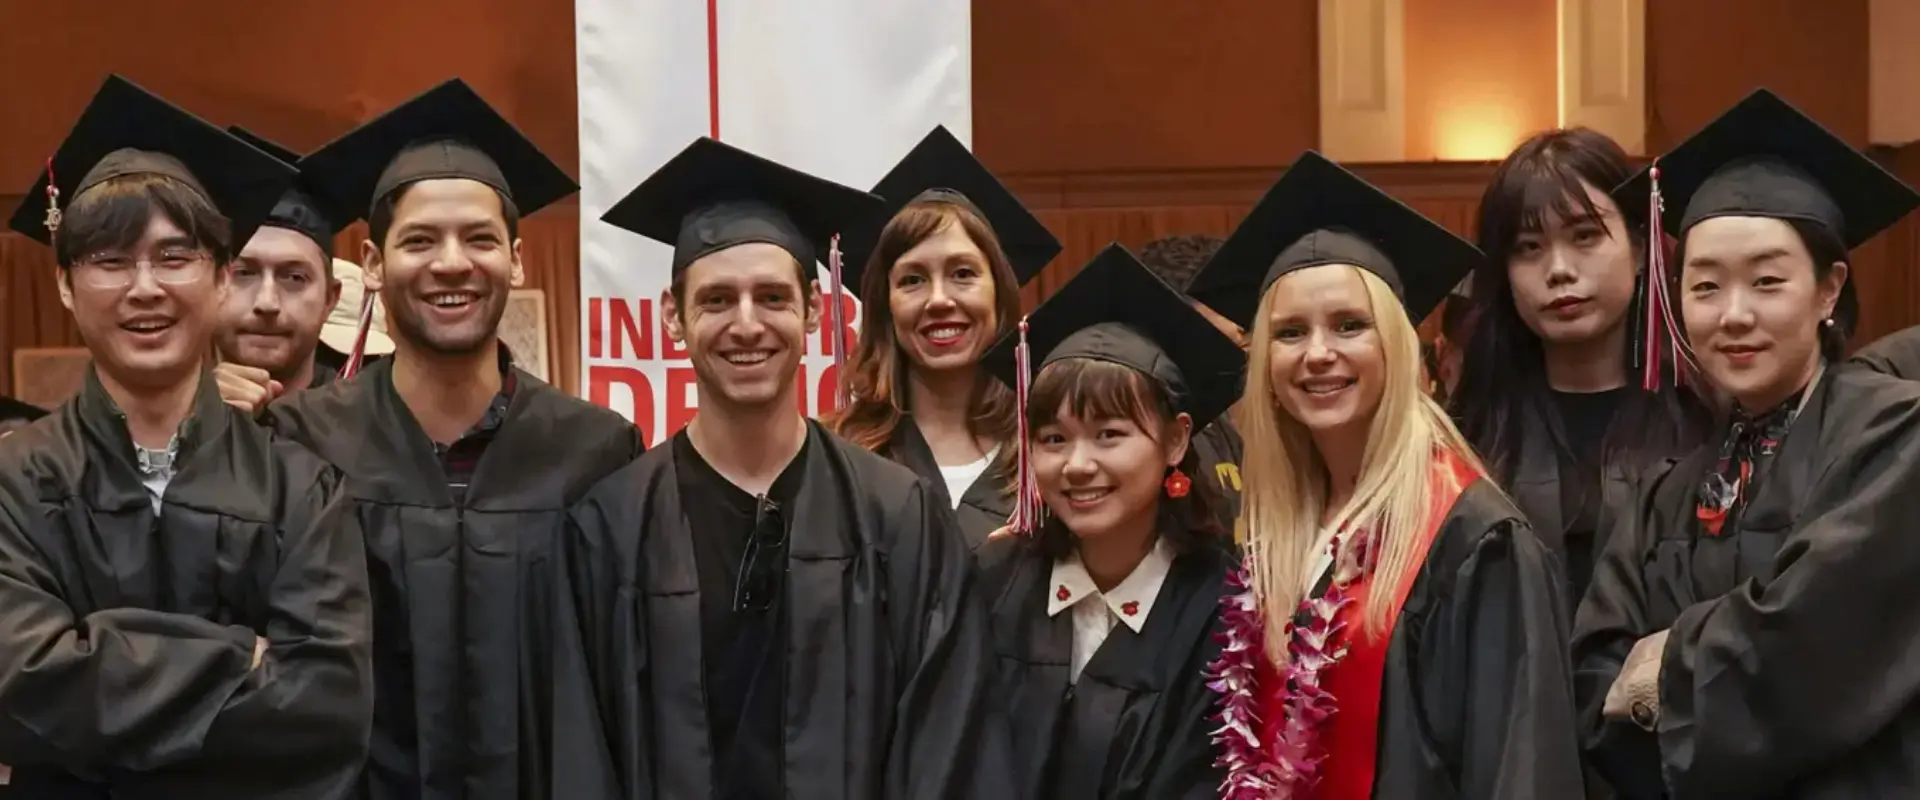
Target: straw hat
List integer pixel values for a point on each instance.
(344, 322)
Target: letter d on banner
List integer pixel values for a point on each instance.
(838, 88)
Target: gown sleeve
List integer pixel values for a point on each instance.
(1614, 615)
(949, 742)
(1778, 678)
(134, 689)
(1498, 642)
(308, 708)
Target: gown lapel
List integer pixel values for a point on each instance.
(671, 592)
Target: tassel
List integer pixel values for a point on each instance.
(1026, 502)
(1662, 340)
(359, 352)
(836, 338)
(53, 202)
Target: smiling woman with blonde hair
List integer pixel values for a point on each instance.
(1401, 633)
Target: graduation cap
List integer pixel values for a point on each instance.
(303, 209)
(126, 130)
(1117, 310)
(713, 196)
(1764, 158)
(941, 169)
(447, 132)
(1319, 214)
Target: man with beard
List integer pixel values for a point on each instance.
(280, 291)
(840, 650)
(183, 596)
(460, 465)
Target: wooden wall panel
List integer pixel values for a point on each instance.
(1704, 55)
(1072, 86)
(1087, 212)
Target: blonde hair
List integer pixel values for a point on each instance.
(1286, 479)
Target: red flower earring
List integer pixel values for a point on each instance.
(1178, 485)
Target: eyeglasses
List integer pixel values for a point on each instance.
(765, 563)
(174, 266)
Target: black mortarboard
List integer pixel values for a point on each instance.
(1117, 310)
(303, 209)
(127, 130)
(713, 196)
(1764, 158)
(448, 132)
(1318, 214)
(941, 168)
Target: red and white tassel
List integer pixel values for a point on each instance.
(836, 332)
(359, 352)
(1027, 508)
(53, 202)
(1662, 336)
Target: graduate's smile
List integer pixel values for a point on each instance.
(945, 334)
(1326, 389)
(748, 359)
(451, 306)
(1742, 355)
(1086, 499)
(148, 330)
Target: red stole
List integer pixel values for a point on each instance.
(1350, 738)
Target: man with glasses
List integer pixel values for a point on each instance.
(767, 610)
(280, 292)
(460, 464)
(183, 598)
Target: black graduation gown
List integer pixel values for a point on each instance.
(126, 637)
(1789, 670)
(1896, 354)
(1138, 724)
(462, 590)
(888, 679)
(986, 505)
(1475, 698)
(1218, 450)
(1536, 489)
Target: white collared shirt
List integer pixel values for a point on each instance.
(1128, 603)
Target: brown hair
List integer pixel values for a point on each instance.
(114, 214)
(876, 374)
(1103, 390)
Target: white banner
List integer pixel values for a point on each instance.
(838, 88)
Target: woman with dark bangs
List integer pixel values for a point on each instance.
(1401, 634)
(1550, 391)
(1104, 617)
(1751, 627)
(939, 282)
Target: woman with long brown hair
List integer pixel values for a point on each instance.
(1401, 634)
(939, 283)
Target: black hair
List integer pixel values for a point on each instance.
(1091, 389)
(114, 215)
(380, 221)
(1503, 374)
(1176, 259)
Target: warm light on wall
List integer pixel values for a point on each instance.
(1477, 131)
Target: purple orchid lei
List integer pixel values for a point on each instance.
(1291, 765)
